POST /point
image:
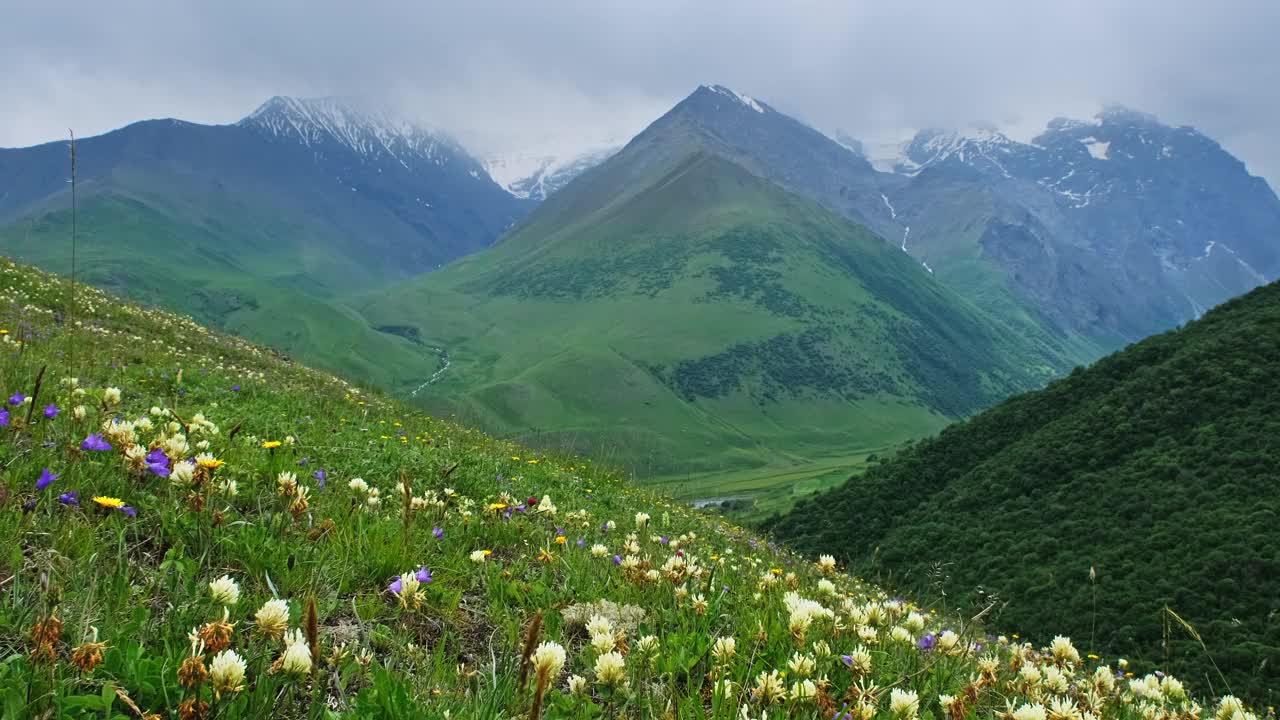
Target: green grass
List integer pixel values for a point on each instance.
(96, 604)
(700, 323)
(1154, 469)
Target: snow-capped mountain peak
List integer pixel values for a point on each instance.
(746, 100)
(368, 133)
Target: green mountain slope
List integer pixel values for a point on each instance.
(674, 313)
(232, 265)
(1156, 467)
(280, 550)
(261, 227)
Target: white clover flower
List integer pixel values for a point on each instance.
(228, 488)
(914, 623)
(548, 659)
(904, 704)
(224, 591)
(599, 550)
(642, 519)
(1056, 681)
(358, 484)
(826, 564)
(1033, 711)
(826, 587)
(479, 556)
(182, 473)
(858, 660)
(868, 634)
(577, 685)
(175, 446)
(610, 668)
(803, 691)
(111, 396)
(1229, 708)
(647, 644)
(602, 642)
(1172, 688)
(297, 654)
(272, 618)
(1104, 680)
(599, 625)
(226, 673)
(1063, 651)
(1063, 709)
(769, 688)
(948, 642)
(801, 665)
(724, 649)
(78, 412)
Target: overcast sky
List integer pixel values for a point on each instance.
(502, 76)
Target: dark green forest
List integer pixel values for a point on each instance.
(1158, 468)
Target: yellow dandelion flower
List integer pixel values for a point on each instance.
(110, 503)
(515, 457)
(559, 539)
(498, 506)
(776, 571)
(270, 444)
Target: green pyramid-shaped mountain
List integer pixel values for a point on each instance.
(673, 312)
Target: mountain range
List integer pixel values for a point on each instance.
(1115, 228)
(730, 299)
(259, 226)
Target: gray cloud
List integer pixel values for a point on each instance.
(506, 75)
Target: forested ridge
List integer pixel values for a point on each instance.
(1156, 469)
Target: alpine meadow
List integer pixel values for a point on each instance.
(521, 362)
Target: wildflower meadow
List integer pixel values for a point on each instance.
(195, 527)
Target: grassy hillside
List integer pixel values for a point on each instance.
(257, 581)
(684, 318)
(254, 273)
(1154, 471)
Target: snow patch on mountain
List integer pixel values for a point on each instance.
(746, 100)
(538, 172)
(1097, 148)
